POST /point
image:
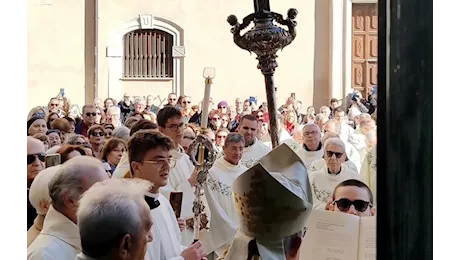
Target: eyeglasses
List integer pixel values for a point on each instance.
(97, 134)
(170, 161)
(337, 154)
(172, 99)
(221, 136)
(215, 118)
(186, 102)
(360, 205)
(91, 114)
(54, 105)
(222, 107)
(32, 157)
(174, 127)
(311, 133)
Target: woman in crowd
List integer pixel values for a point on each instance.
(100, 116)
(51, 117)
(290, 121)
(37, 111)
(112, 152)
(72, 123)
(36, 125)
(108, 130)
(221, 134)
(225, 120)
(96, 135)
(54, 136)
(63, 126)
(68, 151)
(108, 102)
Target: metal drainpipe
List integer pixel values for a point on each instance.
(96, 49)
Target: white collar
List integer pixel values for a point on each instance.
(58, 225)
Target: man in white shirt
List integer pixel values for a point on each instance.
(218, 191)
(150, 159)
(344, 129)
(254, 149)
(359, 139)
(60, 238)
(182, 177)
(274, 230)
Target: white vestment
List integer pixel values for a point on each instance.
(358, 140)
(58, 240)
(218, 192)
(323, 184)
(308, 157)
(122, 167)
(369, 172)
(353, 154)
(285, 138)
(254, 152)
(166, 234)
(320, 163)
(178, 181)
(345, 131)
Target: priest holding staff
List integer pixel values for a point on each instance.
(218, 192)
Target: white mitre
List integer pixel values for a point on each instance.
(273, 200)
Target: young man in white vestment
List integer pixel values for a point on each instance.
(114, 220)
(324, 180)
(254, 148)
(311, 148)
(218, 192)
(60, 238)
(150, 159)
(273, 201)
(359, 139)
(183, 175)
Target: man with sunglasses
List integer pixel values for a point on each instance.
(89, 119)
(353, 197)
(35, 164)
(324, 180)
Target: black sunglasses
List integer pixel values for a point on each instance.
(97, 133)
(337, 155)
(360, 205)
(91, 114)
(32, 157)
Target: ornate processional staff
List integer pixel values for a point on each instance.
(199, 146)
(265, 39)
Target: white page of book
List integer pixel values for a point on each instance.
(330, 236)
(367, 239)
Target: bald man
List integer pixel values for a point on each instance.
(35, 164)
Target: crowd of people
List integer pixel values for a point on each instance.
(109, 198)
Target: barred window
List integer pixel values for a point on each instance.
(147, 54)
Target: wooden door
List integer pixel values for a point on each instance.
(364, 47)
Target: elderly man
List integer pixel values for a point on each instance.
(359, 139)
(312, 148)
(113, 116)
(333, 126)
(114, 220)
(126, 107)
(35, 164)
(59, 238)
(274, 231)
(324, 180)
(218, 191)
(40, 199)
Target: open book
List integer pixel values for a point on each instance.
(339, 236)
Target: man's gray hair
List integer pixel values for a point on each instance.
(311, 124)
(234, 138)
(334, 141)
(121, 132)
(113, 110)
(139, 99)
(39, 191)
(109, 209)
(69, 179)
(364, 116)
(87, 106)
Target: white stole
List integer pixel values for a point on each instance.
(166, 234)
(308, 157)
(369, 172)
(178, 181)
(253, 153)
(218, 192)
